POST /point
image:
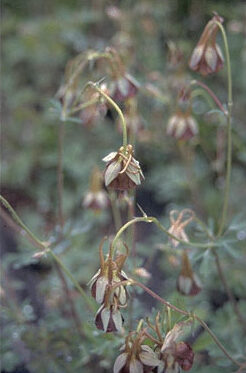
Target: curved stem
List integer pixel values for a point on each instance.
(229, 145)
(211, 94)
(115, 106)
(16, 218)
(204, 325)
(150, 219)
(201, 92)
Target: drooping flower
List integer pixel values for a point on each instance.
(175, 355)
(136, 357)
(182, 126)
(109, 274)
(109, 319)
(123, 88)
(122, 170)
(97, 109)
(96, 198)
(207, 57)
(188, 282)
(178, 225)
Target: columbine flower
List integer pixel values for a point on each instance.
(136, 357)
(109, 274)
(182, 126)
(123, 88)
(109, 319)
(207, 57)
(178, 225)
(175, 355)
(96, 198)
(122, 170)
(188, 283)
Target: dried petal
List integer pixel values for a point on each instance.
(109, 157)
(112, 172)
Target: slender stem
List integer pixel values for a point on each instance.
(150, 219)
(229, 145)
(17, 219)
(84, 105)
(211, 93)
(115, 106)
(60, 184)
(115, 211)
(204, 325)
(228, 291)
(74, 281)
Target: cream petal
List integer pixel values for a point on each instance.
(109, 157)
(149, 359)
(120, 362)
(112, 172)
(117, 318)
(211, 58)
(192, 125)
(196, 56)
(105, 316)
(101, 285)
(92, 280)
(136, 366)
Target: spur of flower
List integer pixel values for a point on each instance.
(188, 282)
(122, 170)
(207, 57)
(136, 357)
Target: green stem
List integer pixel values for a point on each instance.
(115, 211)
(60, 179)
(74, 281)
(204, 325)
(115, 106)
(150, 219)
(16, 218)
(229, 146)
(84, 105)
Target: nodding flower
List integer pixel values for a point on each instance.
(182, 126)
(122, 170)
(175, 355)
(109, 274)
(96, 198)
(123, 85)
(188, 282)
(207, 57)
(178, 224)
(136, 357)
(96, 110)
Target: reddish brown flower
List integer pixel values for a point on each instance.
(175, 355)
(96, 110)
(207, 57)
(123, 88)
(109, 318)
(182, 126)
(122, 170)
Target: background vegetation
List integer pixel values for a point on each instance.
(39, 38)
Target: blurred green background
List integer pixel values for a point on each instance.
(38, 39)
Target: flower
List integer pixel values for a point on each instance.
(109, 274)
(123, 88)
(136, 357)
(178, 225)
(96, 198)
(207, 57)
(109, 318)
(122, 170)
(188, 283)
(182, 126)
(175, 355)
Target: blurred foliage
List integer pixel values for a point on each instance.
(39, 38)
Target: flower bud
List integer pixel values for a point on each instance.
(188, 283)
(96, 198)
(123, 88)
(182, 126)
